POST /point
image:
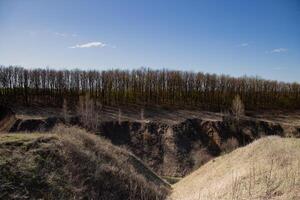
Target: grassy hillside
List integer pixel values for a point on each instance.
(72, 164)
(269, 168)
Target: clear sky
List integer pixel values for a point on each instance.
(235, 37)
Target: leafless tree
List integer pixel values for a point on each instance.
(65, 110)
(144, 87)
(119, 116)
(238, 109)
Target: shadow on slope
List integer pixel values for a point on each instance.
(178, 149)
(170, 149)
(7, 118)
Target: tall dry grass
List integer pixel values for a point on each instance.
(70, 163)
(269, 168)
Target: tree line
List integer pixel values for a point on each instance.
(144, 87)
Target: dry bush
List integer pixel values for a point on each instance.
(147, 137)
(200, 158)
(88, 111)
(229, 145)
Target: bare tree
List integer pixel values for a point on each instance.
(119, 116)
(238, 109)
(144, 87)
(65, 110)
(142, 114)
(81, 108)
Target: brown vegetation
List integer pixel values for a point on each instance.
(72, 164)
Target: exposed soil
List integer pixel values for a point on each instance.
(30, 125)
(178, 149)
(172, 143)
(12, 122)
(7, 118)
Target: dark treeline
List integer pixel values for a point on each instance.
(144, 87)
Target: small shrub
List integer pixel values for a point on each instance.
(229, 145)
(147, 136)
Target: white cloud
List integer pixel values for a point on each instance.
(31, 32)
(279, 50)
(89, 45)
(244, 45)
(49, 32)
(65, 34)
(278, 68)
(60, 34)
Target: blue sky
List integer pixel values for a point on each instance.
(235, 37)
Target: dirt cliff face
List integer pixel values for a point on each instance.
(30, 125)
(10, 123)
(176, 150)
(7, 118)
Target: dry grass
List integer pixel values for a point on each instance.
(269, 168)
(69, 163)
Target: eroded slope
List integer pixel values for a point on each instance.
(178, 149)
(172, 143)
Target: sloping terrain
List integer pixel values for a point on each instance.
(172, 143)
(72, 164)
(178, 149)
(268, 168)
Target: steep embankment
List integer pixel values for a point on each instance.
(178, 149)
(7, 118)
(30, 125)
(266, 169)
(10, 123)
(72, 164)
